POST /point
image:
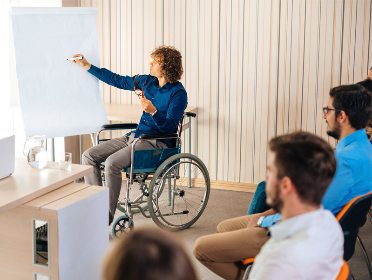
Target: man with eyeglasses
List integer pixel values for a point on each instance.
(348, 111)
(163, 99)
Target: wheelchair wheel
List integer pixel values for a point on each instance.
(178, 192)
(121, 226)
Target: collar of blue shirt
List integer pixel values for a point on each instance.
(167, 85)
(350, 138)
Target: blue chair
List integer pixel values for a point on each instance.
(174, 187)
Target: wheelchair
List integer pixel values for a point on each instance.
(173, 187)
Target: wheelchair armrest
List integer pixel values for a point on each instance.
(158, 136)
(189, 114)
(119, 126)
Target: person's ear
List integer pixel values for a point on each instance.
(342, 117)
(286, 185)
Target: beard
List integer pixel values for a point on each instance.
(335, 132)
(275, 202)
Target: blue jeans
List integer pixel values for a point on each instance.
(258, 203)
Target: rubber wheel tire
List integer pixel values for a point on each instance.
(151, 189)
(115, 223)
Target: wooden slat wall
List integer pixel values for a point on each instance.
(254, 68)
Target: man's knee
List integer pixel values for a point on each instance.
(114, 164)
(200, 248)
(87, 158)
(110, 165)
(222, 227)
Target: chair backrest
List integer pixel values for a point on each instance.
(344, 272)
(351, 218)
(179, 131)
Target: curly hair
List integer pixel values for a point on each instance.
(170, 60)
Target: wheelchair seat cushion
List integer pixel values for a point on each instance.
(146, 161)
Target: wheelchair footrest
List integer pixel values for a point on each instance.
(176, 213)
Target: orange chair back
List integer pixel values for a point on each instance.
(344, 272)
(348, 205)
(248, 261)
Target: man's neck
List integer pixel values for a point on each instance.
(294, 209)
(162, 81)
(346, 132)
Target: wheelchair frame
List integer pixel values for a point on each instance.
(126, 222)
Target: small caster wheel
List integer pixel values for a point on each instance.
(121, 226)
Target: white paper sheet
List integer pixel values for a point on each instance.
(83, 237)
(7, 156)
(58, 97)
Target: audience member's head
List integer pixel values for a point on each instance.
(349, 107)
(300, 168)
(367, 84)
(148, 254)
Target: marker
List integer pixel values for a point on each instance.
(73, 58)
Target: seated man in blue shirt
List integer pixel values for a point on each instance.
(348, 111)
(343, 188)
(163, 103)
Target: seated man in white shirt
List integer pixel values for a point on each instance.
(308, 242)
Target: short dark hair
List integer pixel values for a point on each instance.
(355, 101)
(367, 84)
(308, 161)
(148, 254)
(170, 62)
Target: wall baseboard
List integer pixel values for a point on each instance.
(233, 186)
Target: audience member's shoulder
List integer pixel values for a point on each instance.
(324, 233)
(356, 152)
(328, 224)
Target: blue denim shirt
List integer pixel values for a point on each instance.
(353, 175)
(170, 101)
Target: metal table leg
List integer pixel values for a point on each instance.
(189, 175)
(93, 141)
(80, 149)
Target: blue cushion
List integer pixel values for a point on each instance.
(147, 161)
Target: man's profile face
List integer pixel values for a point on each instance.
(333, 126)
(272, 185)
(155, 67)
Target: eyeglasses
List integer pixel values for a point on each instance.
(140, 93)
(326, 110)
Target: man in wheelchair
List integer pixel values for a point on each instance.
(163, 99)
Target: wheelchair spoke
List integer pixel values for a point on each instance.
(188, 193)
(187, 203)
(177, 204)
